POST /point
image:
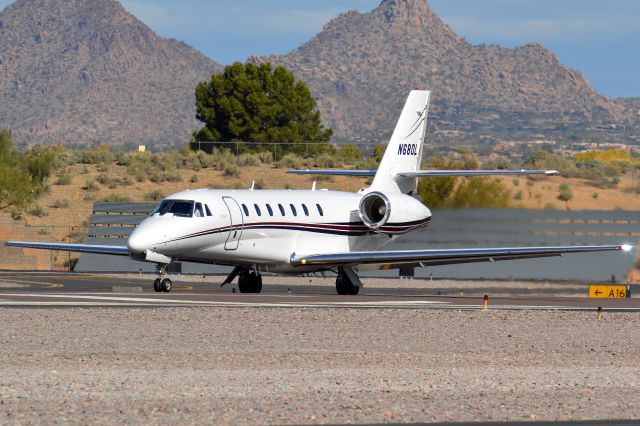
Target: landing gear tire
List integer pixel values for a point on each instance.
(344, 285)
(157, 285)
(166, 285)
(250, 282)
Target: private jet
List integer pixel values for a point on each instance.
(301, 232)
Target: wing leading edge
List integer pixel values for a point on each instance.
(445, 256)
(80, 248)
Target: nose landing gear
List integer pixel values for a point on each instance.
(162, 284)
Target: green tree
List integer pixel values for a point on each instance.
(350, 153)
(258, 103)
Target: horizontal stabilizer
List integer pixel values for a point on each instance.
(445, 173)
(80, 248)
(361, 173)
(446, 256)
(426, 173)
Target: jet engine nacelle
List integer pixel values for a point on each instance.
(392, 213)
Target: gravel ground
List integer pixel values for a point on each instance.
(279, 366)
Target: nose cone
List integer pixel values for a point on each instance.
(427, 212)
(137, 242)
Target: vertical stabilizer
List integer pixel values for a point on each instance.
(404, 152)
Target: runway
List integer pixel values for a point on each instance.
(55, 290)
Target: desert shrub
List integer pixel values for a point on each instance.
(515, 181)
(248, 160)
(103, 168)
(595, 195)
(231, 170)
(116, 198)
(565, 193)
(322, 178)
(155, 195)
(100, 154)
(349, 153)
(258, 184)
(60, 204)
(546, 160)
(518, 196)
(38, 211)
(194, 179)
(64, 179)
(479, 192)
(91, 185)
(326, 161)
(550, 206)
(223, 158)
(291, 161)
(266, 157)
(365, 164)
(499, 164)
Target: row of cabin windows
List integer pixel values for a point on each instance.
(283, 212)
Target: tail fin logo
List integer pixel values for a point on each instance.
(422, 116)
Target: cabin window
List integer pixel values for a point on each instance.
(206, 208)
(258, 212)
(281, 210)
(293, 210)
(306, 210)
(246, 210)
(270, 210)
(198, 211)
(320, 210)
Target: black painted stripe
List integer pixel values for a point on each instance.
(357, 229)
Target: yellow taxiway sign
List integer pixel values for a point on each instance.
(597, 291)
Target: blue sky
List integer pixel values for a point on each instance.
(601, 38)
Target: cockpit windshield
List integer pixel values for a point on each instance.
(182, 208)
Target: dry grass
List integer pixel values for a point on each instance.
(545, 191)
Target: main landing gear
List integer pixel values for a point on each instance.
(162, 284)
(347, 281)
(249, 282)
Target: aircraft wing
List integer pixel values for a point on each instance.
(436, 257)
(80, 248)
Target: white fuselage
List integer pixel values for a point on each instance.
(262, 229)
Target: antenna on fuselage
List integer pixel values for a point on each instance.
(313, 187)
(253, 185)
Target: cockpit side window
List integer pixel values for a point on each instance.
(320, 210)
(198, 211)
(162, 208)
(180, 208)
(246, 210)
(206, 208)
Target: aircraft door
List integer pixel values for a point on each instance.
(236, 223)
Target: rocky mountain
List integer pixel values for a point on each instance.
(87, 71)
(362, 65)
